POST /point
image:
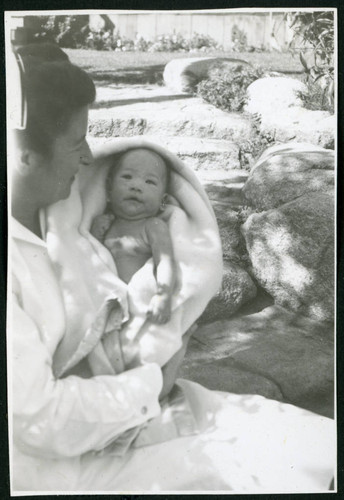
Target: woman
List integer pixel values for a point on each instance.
(62, 427)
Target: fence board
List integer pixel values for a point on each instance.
(218, 25)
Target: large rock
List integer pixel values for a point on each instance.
(237, 286)
(237, 289)
(182, 75)
(287, 172)
(291, 249)
(229, 227)
(300, 124)
(282, 114)
(274, 353)
(271, 94)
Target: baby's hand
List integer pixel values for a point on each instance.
(101, 225)
(159, 310)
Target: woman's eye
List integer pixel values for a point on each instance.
(126, 176)
(148, 181)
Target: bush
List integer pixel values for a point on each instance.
(74, 32)
(226, 88)
(177, 43)
(239, 39)
(317, 98)
(316, 31)
(66, 31)
(202, 42)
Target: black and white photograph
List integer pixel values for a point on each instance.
(172, 208)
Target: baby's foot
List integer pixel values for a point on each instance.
(159, 310)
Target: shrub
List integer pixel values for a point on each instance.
(239, 39)
(168, 43)
(74, 32)
(202, 42)
(316, 97)
(67, 31)
(316, 31)
(177, 43)
(226, 88)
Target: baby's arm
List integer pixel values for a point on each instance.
(159, 310)
(101, 225)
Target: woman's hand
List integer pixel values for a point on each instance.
(101, 225)
(171, 368)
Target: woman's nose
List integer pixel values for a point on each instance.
(86, 157)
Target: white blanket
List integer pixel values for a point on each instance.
(106, 318)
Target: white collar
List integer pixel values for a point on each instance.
(20, 232)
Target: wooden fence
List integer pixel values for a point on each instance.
(257, 26)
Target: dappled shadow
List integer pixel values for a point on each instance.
(135, 100)
(128, 75)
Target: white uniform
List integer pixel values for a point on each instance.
(244, 443)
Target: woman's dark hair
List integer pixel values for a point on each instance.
(54, 89)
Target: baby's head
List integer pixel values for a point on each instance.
(137, 184)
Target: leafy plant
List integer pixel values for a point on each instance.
(239, 39)
(315, 98)
(316, 31)
(66, 31)
(201, 42)
(226, 87)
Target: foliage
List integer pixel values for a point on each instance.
(168, 43)
(251, 149)
(315, 98)
(202, 42)
(177, 42)
(74, 32)
(316, 31)
(239, 39)
(226, 87)
(67, 31)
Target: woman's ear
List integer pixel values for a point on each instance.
(28, 161)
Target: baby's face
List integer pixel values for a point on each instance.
(138, 185)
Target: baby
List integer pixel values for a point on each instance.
(133, 232)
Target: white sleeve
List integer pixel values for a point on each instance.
(68, 417)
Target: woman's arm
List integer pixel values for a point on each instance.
(70, 416)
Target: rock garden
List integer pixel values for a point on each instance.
(267, 162)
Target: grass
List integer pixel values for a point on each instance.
(108, 67)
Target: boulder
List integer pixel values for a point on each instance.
(282, 113)
(182, 75)
(270, 94)
(237, 289)
(291, 249)
(287, 172)
(274, 353)
(300, 124)
(229, 227)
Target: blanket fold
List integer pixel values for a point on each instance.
(105, 317)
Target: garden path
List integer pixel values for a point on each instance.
(262, 348)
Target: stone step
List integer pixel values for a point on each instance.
(117, 95)
(208, 155)
(177, 117)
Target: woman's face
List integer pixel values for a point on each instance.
(69, 151)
